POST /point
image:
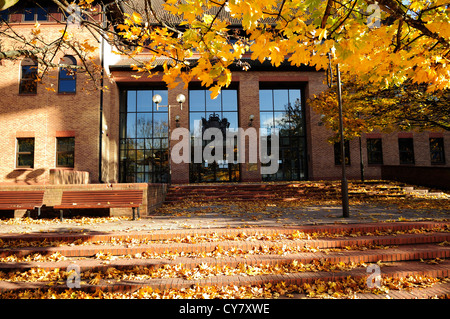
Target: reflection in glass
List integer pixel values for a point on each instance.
(229, 100)
(197, 100)
(213, 105)
(144, 101)
(65, 151)
(144, 154)
(280, 99)
(131, 101)
(265, 100)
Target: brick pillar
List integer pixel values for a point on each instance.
(249, 105)
(180, 171)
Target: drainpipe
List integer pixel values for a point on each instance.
(100, 155)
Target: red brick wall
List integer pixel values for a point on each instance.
(45, 116)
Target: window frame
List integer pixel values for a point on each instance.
(68, 79)
(144, 154)
(400, 151)
(28, 79)
(19, 153)
(442, 150)
(370, 151)
(65, 152)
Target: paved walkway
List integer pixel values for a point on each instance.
(229, 216)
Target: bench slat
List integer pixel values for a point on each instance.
(100, 199)
(11, 200)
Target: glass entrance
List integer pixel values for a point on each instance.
(221, 113)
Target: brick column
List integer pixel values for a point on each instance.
(249, 105)
(179, 172)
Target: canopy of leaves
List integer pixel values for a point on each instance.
(367, 108)
(412, 42)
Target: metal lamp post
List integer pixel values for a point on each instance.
(344, 183)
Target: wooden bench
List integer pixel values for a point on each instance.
(12, 200)
(101, 199)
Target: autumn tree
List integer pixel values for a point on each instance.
(368, 108)
(378, 45)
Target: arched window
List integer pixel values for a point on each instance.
(67, 75)
(28, 77)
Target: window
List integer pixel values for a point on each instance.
(374, 151)
(281, 109)
(25, 153)
(406, 150)
(437, 150)
(67, 76)
(65, 151)
(35, 14)
(144, 137)
(28, 80)
(337, 153)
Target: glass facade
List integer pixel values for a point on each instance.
(204, 111)
(144, 134)
(283, 109)
(144, 138)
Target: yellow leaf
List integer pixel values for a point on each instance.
(136, 18)
(215, 91)
(323, 34)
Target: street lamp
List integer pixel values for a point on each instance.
(344, 183)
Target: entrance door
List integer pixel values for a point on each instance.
(220, 113)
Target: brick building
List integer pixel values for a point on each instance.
(76, 134)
